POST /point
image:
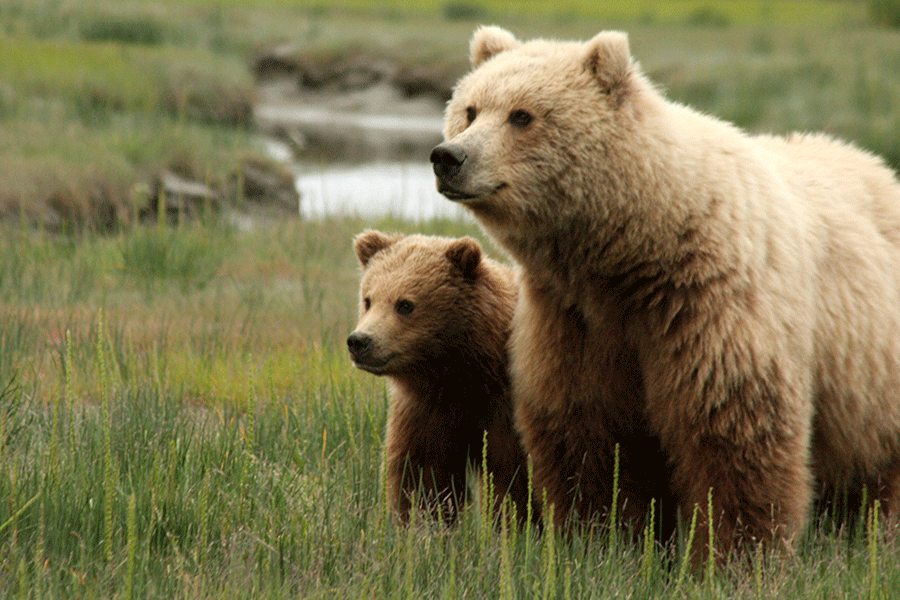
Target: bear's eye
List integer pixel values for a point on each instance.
(367, 303)
(520, 118)
(471, 113)
(404, 307)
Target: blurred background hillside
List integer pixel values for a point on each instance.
(109, 109)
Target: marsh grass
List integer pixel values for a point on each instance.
(178, 417)
(82, 122)
(670, 12)
(206, 437)
(140, 30)
(780, 83)
(97, 97)
(189, 255)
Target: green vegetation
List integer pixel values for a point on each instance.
(178, 418)
(84, 118)
(97, 97)
(201, 434)
(737, 12)
(885, 12)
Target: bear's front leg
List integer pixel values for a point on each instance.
(425, 462)
(739, 443)
(508, 469)
(577, 392)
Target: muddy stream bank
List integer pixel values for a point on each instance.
(357, 141)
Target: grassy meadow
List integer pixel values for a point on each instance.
(178, 416)
(192, 428)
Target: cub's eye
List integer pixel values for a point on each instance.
(471, 113)
(404, 307)
(367, 303)
(520, 118)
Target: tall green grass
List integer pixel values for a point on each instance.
(207, 437)
(178, 418)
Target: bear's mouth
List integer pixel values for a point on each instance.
(454, 194)
(374, 365)
(457, 195)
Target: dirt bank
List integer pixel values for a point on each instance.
(354, 105)
(353, 68)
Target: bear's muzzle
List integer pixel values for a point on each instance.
(447, 161)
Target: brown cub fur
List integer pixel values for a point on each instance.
(435, 319)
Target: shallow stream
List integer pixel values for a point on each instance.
(359, 162)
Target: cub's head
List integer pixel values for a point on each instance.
(414, 301)
(529, 126)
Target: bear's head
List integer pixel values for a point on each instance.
(415, 299)
(531, 127)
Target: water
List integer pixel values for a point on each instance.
(360, 163)
(321, 117)
(405, 190)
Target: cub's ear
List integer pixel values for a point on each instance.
(465, 255)
(488, 41)
(370, 242)
(608, 58)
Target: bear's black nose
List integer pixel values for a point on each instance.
(359, 343)
(447, 159)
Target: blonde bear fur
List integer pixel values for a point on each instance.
(724, 307)
(435, 319)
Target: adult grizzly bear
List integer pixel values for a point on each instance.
(725, 307)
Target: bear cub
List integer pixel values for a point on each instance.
(434, 319)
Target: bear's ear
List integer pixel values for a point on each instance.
(371, 242)
(488, 41)
(608, 58)
(465, 255)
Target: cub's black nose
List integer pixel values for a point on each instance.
(447, 160)
(358, 343)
